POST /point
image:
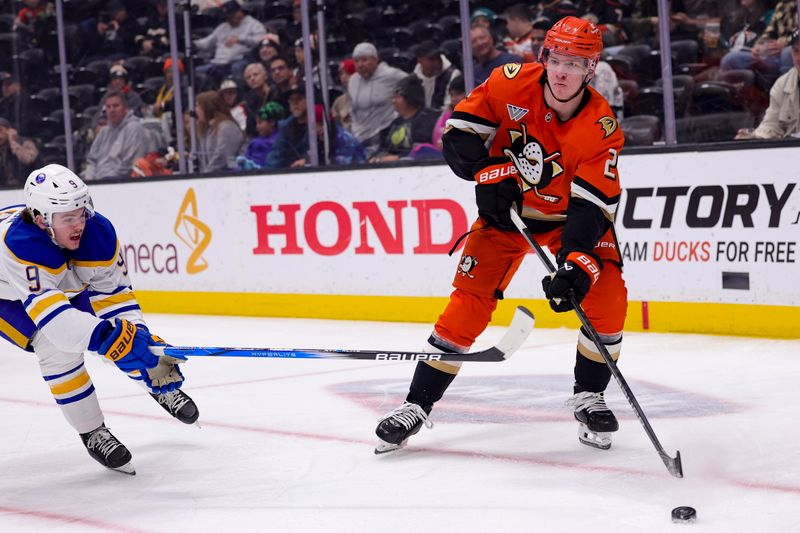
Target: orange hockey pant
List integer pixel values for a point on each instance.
(490, 259)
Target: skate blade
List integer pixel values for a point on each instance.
(387, 447)
(595, 439)
(127, 468)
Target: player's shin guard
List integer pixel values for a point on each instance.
(74, 393)
(596, 421)
(432, 378)
(430, 381)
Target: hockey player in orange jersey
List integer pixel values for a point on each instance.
(538, 137)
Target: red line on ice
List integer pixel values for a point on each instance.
(66, 519)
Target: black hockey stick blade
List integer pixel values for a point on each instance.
(673, 464)
(517, 332)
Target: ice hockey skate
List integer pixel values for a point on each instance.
(178, 404)
(107, 450)
(397, 426)
(597, 422)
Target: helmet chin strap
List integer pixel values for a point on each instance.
(47, 228)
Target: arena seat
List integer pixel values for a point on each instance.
(685, 51)
(46, 100)
(712, 127)
(641, 130)
(711, 98)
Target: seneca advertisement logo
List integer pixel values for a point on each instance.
(163, 257)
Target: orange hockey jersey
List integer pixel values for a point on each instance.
(554, 159)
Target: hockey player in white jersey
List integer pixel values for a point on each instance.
(64, 289)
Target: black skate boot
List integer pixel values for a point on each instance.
(107, 450)
(597, 422)
(397, 426)
(178, 404)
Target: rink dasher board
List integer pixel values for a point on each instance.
(717, 228)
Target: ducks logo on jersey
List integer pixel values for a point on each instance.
(608, 124)
(536, 167)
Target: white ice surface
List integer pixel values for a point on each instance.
(287, 445)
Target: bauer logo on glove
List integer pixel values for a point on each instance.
(575, 277)
(123, 342)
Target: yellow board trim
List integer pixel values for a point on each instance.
(115, 299)
(41, 305)
(664, 317)
(72, 385)
(12, 333)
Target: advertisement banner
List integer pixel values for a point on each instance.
(693, 227)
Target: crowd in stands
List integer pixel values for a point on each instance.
(394, 73)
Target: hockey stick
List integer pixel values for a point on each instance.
(673, 464)
(519, 329)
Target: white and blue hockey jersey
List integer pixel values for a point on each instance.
(62, 293)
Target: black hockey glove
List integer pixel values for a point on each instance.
(577, 272)
(495, 199)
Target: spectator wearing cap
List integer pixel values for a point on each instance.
(165, 95)
(435, 71)
(229, 91)
(413, 125)
(220, 138)
(111, 35)
(230, 41)
(258, 94)
(153, 39)
(371, 89)
(299, 74)
(456, 93)
(342, 108)
(483, 17)
(782, 117)
(267, 50)
(119, 81)
(18, 157)
(292, 142)
(118, 144)
(486, 56)
(519, 26)
(14, 102)
(255, 156)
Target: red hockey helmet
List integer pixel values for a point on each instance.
(575, 36)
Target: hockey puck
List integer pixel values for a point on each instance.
(684, 515)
